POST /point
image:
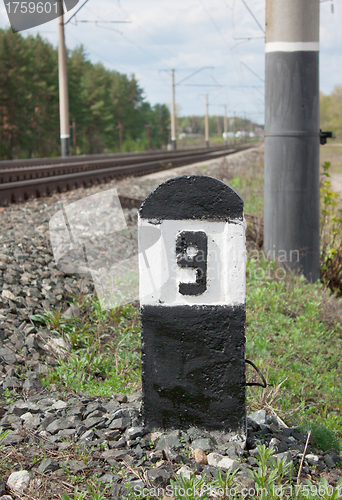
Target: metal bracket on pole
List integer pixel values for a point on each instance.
(323, 136)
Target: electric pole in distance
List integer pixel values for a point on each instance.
(173, 112)
(206, 122)
(225, 126)
(63, 87)
(292, 135)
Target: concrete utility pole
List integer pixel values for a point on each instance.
(292, 135)
(63, 87)
(206, 122)
(244, 129)
(234, 130)
(173, 112)
(225, 126)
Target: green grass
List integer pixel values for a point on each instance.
(293, 332)
(297, 345)
(105, 355)
(249, 187)
(333, 154)
(292, 336)
(249, 183)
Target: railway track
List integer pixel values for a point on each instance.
(23, 179)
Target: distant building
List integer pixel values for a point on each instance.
(241, 133)
(184, 135)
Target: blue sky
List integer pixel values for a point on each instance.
(188, 35)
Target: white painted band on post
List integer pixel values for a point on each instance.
(64, 136)
(160, 275)
(291, 46)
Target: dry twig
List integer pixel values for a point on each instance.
(302, 461)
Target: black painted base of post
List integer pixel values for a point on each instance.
(173, 143)
(206, 144)
(65, 146)
(193, 367)
(292, 199)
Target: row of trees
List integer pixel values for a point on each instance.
(331, 112)
(99, 101)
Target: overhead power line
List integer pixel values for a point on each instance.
(194, 73)
(255, 74)
(86, 21)
(248, 37)
(131, 41)
(76, 12)
(251, 13)
(203, 85)
(148, 34)
(215, 25)
(117, 31)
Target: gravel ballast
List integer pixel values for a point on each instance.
(53, 436)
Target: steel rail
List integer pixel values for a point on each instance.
(58, 160)
(12, 192)
(35, 172)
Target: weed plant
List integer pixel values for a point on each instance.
(273, 479)
(331, 233)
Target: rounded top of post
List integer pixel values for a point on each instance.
(193, 197)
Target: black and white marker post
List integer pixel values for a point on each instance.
(292, 135)
(192, 296)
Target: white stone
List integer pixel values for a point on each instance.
(6, 294)
(59, 347)
(274, 442)
(214, 458)
(259, 417)
(312, 459)
(59, 405)
(186, 471)
(221, 461)
(44, 434)
(19, 481)
(26, 417)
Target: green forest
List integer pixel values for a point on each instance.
(99, 99)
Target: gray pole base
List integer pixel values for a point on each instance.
(206, 144)
(292, 203)
(65, 146)
(173, 144)
(291, 211)
(225, 142)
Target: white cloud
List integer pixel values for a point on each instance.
(187, 36)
